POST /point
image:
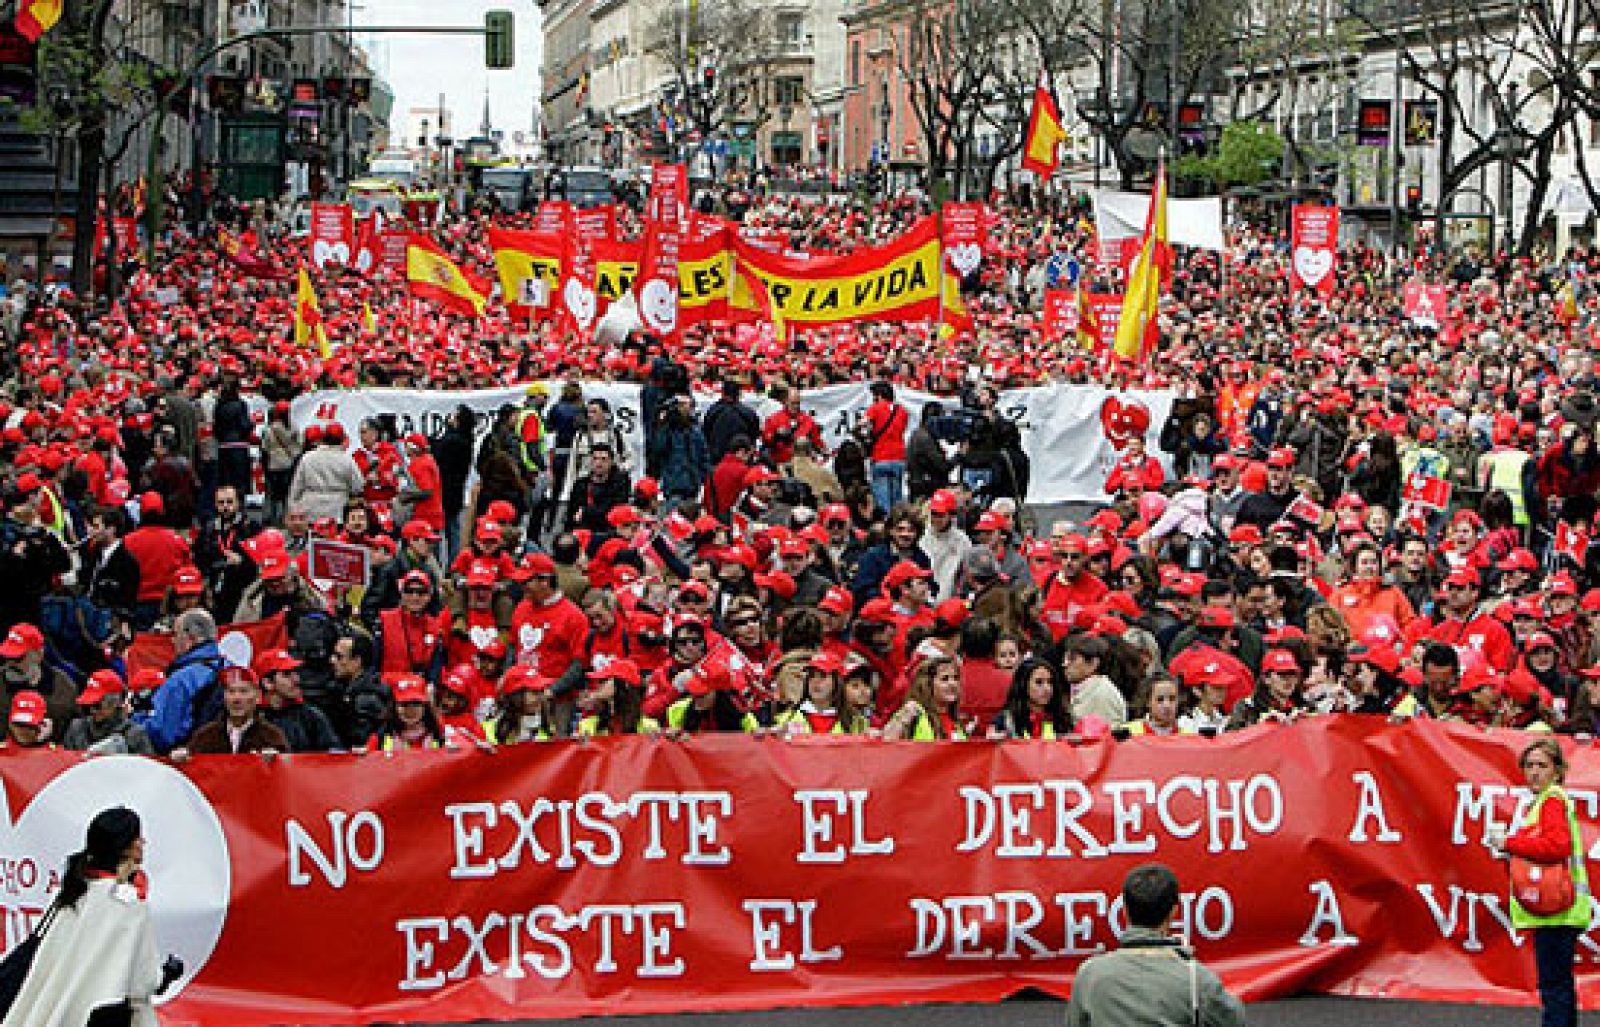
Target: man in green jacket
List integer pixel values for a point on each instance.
(1151, 978)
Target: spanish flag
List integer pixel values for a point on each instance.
(955, 318)
(1136, 332)
(433, 275)
(1567, 303)
(1088, 320)
(1045, 134)
(308, 317)
(764, 304)
(35, 17)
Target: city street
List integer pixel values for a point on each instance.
(1301, 1012)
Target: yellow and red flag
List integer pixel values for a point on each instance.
(1088, 320)
(433, 275)
(36, 17)
(1040, 153)
(1136, 332)
(308, 327)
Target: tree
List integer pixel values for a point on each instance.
(1146, 56)
(1516, 61)
(100, 96)
(1248, 152)
(719, 56)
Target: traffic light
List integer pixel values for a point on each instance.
(710, 75)
(1414, 198)
(499, 51)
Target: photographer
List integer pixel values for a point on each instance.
(927, 466)
(991, 457)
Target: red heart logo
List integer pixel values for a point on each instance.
(1123, 421)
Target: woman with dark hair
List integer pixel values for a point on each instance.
(1377, 474)
(1036, 704)
(97, 964)
(1141, 578)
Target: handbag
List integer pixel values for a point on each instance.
(1543, 889)
(18, 962)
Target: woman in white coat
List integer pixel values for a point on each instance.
(97, 965)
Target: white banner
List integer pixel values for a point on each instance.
(1072, 434)
(1197, 223)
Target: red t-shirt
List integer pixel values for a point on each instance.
(889, 422)
(549, 636)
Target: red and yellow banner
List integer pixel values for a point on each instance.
(723, 873)
(898, 281)
(431, 274)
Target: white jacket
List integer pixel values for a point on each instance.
(946, 552)
(98, 953)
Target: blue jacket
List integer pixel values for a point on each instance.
(875, 566)
(172, 721)
(684, 461)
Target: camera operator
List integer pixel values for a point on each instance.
(990, 454)
(927, 466)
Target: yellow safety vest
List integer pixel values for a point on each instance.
(1504, 472)
(924, 731)
(1142, 727)
(589, 727)
(491, 730)
(1576, 915)
(678, 714)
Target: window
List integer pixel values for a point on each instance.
(789, 91)
(791, 27)
(855, 62)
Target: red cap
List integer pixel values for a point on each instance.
(1519, 560)
(186, 581)
(901, 573)
(835, 513)
(231, 675)
(758, 475)
(779, 583)
(20, 640)
(410, 688)
(482, 574)
(943, 501)
(274, 566)
(1246, 535)
(988, 521)
(1539, 640)
(101, 684)
(1280, 660)
(535, 565)
(1561, 584)
(1215, 617)
(151, 503)
(28, 708)
(1283, 457)
(617, 670)
(876, 611)
(952, 613)
(416, 577)
(1462, 576)
(649, 488)
(416, 439)
(837, 601)
(278, 660)
(416, 529)
(1381, 656)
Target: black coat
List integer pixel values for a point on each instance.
(722, 421)
(593, 500)
(453, 452)
(306, 727)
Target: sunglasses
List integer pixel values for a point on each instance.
(743, 622)
(416, 591)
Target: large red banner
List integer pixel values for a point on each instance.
(1339, 855)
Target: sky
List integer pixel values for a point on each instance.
(419, 67)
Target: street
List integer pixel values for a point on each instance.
(1318, 1011)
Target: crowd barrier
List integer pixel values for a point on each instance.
(1342, 855)
(1073, 434)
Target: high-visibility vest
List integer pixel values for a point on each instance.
(924, 732)
(1504, 472)
(678, 715)
(1577, 914)
(1142, 727)
(491, 731)
(590, 727)
(540, 447)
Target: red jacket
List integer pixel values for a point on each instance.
(1481, 632)
(725, 485)
(1064, 600)
(411, 641)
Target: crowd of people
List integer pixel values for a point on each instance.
(1267, 553)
